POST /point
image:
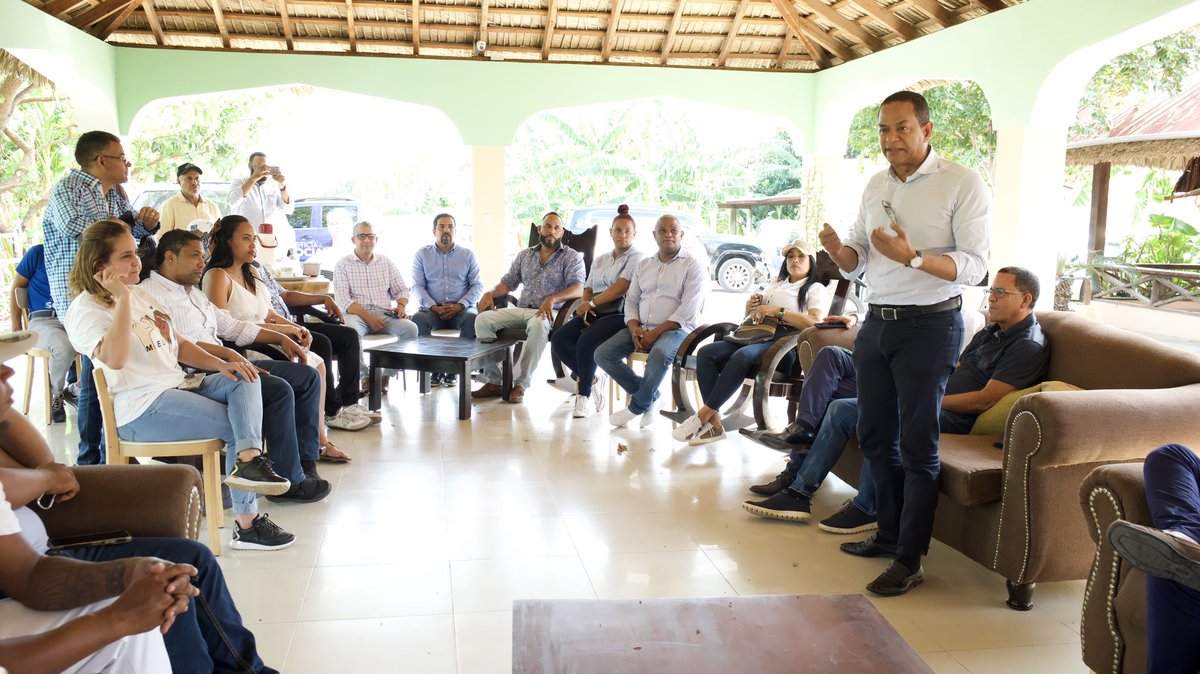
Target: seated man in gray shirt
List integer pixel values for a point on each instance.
(662, 306)
(551, 274)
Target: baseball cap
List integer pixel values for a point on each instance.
(266, 236)
(14, 344)
(795, 245)
(184, 168)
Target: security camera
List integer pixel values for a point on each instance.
(481, 46)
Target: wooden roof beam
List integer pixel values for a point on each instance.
(934, 10)
(808, 31)
(152, 19)
(733, 31)
(350, 30)
(106, 27)
(416, 27)
(785, 49)
(101, 11)
(613, 20)
(483, 20)
(58, 7)
(219, 16)
(287, 22)
(551, 19)
(990, 6)
(899, 26)
(671, 31)
(834, 17)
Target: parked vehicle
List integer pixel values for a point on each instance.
(154, 195)
(318, 221)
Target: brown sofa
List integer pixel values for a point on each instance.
(145, 500)
(1013, 510)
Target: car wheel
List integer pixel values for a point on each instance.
(736, 275)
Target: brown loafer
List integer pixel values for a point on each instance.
(517, 395)
(487, 391)
(1157, 553)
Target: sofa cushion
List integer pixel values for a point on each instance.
(992, 421)
(971, 468)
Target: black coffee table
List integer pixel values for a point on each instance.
(448, 355)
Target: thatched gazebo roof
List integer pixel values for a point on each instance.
(1164, 133)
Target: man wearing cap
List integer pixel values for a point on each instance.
(30, 275)
(185, 208)
(85, 195)
(262, 198)
(923, 231)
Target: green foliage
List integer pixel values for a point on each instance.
(962, 128)
(212, 132)
(1173, 242)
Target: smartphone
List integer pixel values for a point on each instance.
(86, 540)
(831, 326)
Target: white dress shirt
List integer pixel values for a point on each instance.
(946, 210)
(195, 316)
(667, 291)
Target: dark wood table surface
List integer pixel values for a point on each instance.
(450, 355)
(841, 633)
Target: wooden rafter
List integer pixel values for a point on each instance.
(220, 19)
(152, 19)
(350, 30)
(942, 16)
(483, 20)
(98, 13)
(815, 51)
(613, 20)
(551, 19)
(114, 21)
(990, 5)
(671, 30)
(809, 31)
(287, 23)
(57, 7)
(899, 26)
(416, 27)
(785, 49)
(733, 31)
(834, 17)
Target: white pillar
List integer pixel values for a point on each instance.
(488, 210)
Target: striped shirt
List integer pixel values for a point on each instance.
(563, 270)
(667, 291)
(446, 278)
(607, 270)
(76, 202)
(374, 285)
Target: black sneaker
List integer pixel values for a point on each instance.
(257, 475)
(435, 379)
(849, 520)
(786, 505)
(310, 490)
(782, 481)
(70, 397)
(449, 380)
(58, 412)
(263, 534)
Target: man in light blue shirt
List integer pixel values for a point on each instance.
(662, 306)
(447, 284)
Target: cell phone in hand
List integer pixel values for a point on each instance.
(87, 540)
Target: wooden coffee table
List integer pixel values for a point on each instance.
(450, 355)
(840, 633)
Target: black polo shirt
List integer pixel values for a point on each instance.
(1018, 357)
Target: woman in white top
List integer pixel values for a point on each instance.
(130, 338)
(598, 316)
(798, 299)
(232, 283)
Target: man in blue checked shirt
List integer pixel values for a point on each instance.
(447, 284)
(85, 195)
(552, 274)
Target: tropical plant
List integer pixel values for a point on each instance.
(211, 131)
(1173, 242)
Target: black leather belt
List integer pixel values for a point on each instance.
(47, 313)
(903, 311)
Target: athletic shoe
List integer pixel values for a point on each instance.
(786, 505)
(71, 395)
(263, 534)
(257, 475)
(361, 411)
(621, 417)
(706, 435)
(58, 413)
(597, 396)
(565, 384)
(583, 407)
(348, 420)
(849, 520)
(311, 490)
(651, 414)
(435, 379)
(684, 432)
(449, 380)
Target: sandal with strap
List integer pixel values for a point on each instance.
(332, 454)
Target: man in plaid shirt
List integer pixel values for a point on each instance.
(85, 195)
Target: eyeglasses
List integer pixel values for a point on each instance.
(366, 237)
(120, 156)
(1001, 292)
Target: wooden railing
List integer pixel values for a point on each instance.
(1155, 285)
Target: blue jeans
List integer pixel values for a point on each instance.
(91, 424)
(721, 368)
(644, 389)
(463, 321)
(292, 401)
(209, 636)
(220, 408)
(575, 345)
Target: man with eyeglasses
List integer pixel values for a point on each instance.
(371, 291)
(923, 232)
(1007, 355)
(185, 208)
(85, 195)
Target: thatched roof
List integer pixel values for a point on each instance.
(1163, 132)
(732, 34)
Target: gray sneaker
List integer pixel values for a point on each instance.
(258, 476)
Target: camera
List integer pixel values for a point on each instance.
(481, 46)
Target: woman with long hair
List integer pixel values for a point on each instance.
(599, 315)
(797, 299)
(231, 281)
(131, 339)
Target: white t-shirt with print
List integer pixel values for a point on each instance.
(784, 294)
(153, 365)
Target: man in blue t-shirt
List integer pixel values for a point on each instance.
(52, 336)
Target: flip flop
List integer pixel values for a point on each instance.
(344, 458)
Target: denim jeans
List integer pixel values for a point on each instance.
(209, 636)
(644, 389)
(292, 402)
(463, 321)
(91, 424)
(537, 336)
(722, 368)
(575, 345)
(218, 408)
(810, 470)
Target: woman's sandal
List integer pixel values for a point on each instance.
(332, 454)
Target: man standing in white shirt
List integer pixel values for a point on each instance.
(923, 231)
(262, 200)
(182, 209)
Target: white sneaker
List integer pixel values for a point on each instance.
(347, 420)
(597, 397)
(706, 435)
(361, 411)
(621, 417)
(583, 407)
(565, 384)
(684, 432)
(651, 414)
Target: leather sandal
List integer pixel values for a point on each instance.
(332, 454)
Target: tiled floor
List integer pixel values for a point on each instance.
(438, 525)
